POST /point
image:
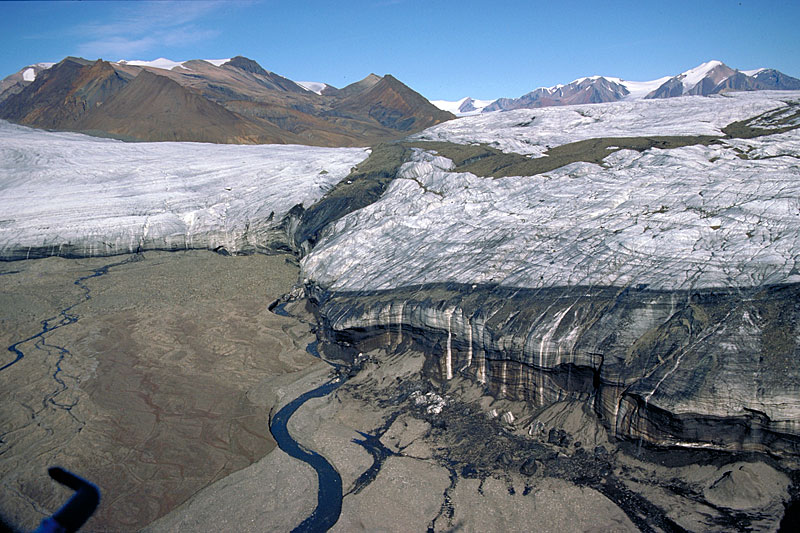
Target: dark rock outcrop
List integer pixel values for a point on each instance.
(772, 79)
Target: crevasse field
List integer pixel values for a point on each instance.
(698, 216)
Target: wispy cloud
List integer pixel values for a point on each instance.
(143, 28)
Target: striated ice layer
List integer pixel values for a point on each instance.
(708, 368)
(70, 194)
(534, 131)
(680, 219)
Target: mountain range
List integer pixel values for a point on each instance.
(238, 101)
(712, 77)
(219, 101)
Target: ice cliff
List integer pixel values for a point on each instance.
(661, 286)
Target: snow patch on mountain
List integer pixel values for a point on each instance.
(160, 63)
(640, 89)
(312, 86)
(29, 74)
(692, 77)
(462, 108)
(168, 64)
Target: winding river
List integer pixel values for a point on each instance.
(329, 493)
(329, 482)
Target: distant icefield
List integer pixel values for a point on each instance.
(95, 196)
(686, 218)
(533, 131)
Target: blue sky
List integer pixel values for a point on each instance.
(444, 50)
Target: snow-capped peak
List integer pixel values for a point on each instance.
(692, 77)
(583, 79)
(463, 107)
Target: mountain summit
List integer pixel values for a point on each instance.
(219, 101)
(711, 77)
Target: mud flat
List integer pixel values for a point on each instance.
(143, 382)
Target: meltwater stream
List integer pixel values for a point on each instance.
(329, 482)
(329, 492)
(63, 318)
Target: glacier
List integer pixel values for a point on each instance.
(659, 286)
(680, 219)
(73, 195)
(533, 131)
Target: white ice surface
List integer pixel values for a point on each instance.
(313, 86)
(532, 131)
(698, 216)
(66, 188)
(29, 74)
(752, 72)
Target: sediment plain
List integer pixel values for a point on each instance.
(144, 386)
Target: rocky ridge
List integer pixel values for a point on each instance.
(712, 77)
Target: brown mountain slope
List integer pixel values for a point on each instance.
(393, 105)
(61, 96)
(237, 102)
(354, 88)
(155, 108)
